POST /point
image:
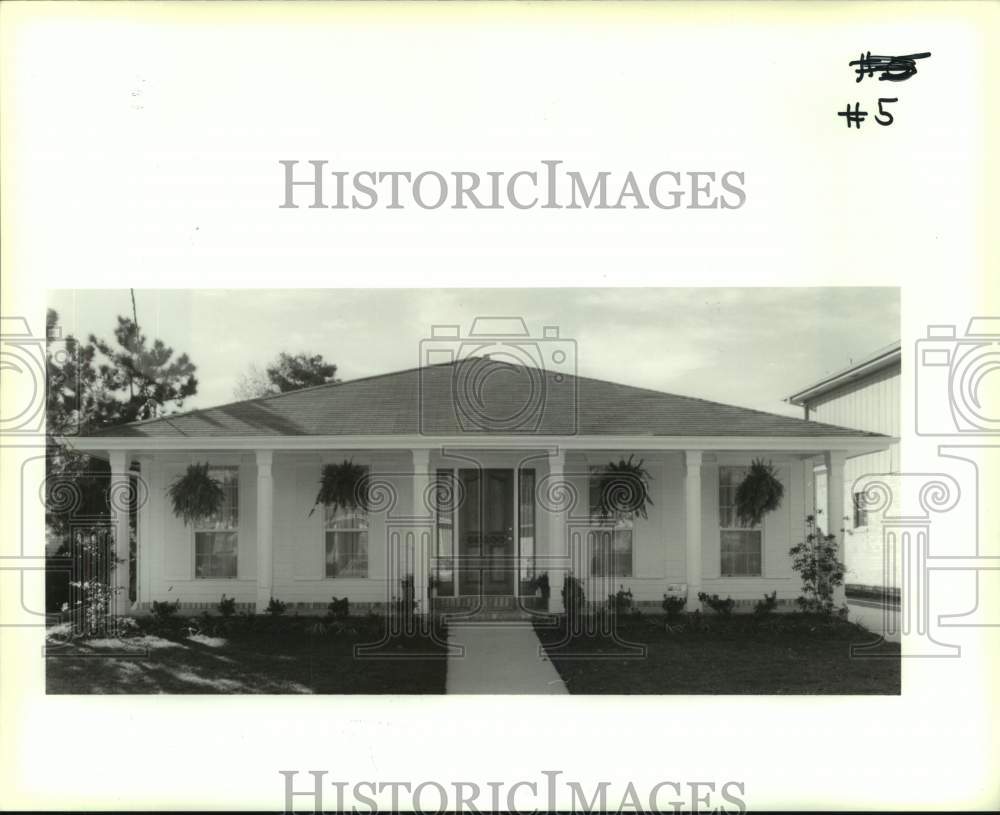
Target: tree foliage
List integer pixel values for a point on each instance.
(290, 372)
(137, 379)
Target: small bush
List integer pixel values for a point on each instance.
(275, 607)
(542, 582)
(817, 561)
(621, 601)
(405, 605)
(164, 611)
(767, 605)
(573, 595)
(227, 606)
(673, 606)
(721, 607)
(338, 609)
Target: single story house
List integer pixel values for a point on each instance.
(478, 475)
(863, 395)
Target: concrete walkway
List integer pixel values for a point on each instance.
(504, 657)
(870, 615)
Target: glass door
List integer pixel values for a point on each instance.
(487, 545)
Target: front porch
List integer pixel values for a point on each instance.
(461, 528)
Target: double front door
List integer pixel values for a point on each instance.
(487, 556)
(486, 532)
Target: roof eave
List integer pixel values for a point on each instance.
(852, 444)
(885, 359)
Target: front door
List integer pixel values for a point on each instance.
(488, 547)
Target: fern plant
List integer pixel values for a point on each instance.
(342, 486)
(196, 494)
(759, 493)
(622, 490)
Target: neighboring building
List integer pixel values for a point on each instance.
(865, 396)
(479, 475)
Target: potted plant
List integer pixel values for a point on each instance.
(196, 494)
(759, 493)
(343, 486)
(622, 490)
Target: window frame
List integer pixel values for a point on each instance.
(859, 511)
(736, 527)
(365, 529)
(198, 527)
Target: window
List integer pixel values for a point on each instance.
(346, 541)
(740, 545)
(216, 538)
(860, 511)
(611, 543)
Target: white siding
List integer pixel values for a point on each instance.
(871, 404)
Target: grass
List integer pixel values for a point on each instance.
(739, 655)
(275, 659)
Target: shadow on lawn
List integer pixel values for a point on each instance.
(786, 654)
(266, 662)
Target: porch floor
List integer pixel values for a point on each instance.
(500, 658)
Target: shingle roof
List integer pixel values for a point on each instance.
(476, 396)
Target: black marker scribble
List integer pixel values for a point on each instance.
(894, 69)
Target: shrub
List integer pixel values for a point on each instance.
(163, 611)
(621, 601)
(405, 605)
(722, 607)
(673, 606)
(275, 607)
(338, 608)
(542, 582)
(574, 598)
(764, 607)
(816, 560)
(227, 606)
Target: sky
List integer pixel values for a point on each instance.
(743, 346)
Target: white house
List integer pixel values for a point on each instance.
(479, 475)
(864, 395)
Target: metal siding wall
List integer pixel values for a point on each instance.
(870, 404)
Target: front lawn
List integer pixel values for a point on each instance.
(786, 654)
(276, 658)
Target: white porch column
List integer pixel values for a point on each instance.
(265, 530)
(835, 509)
(143, 527)
(118, 498)
(559, 555)
(422, 528)
(692, 527)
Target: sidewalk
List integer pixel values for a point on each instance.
(500, 658)
(871, 616)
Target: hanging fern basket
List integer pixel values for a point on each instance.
(343, 486)
(759, 493)
(196, 495)
(621, 490)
